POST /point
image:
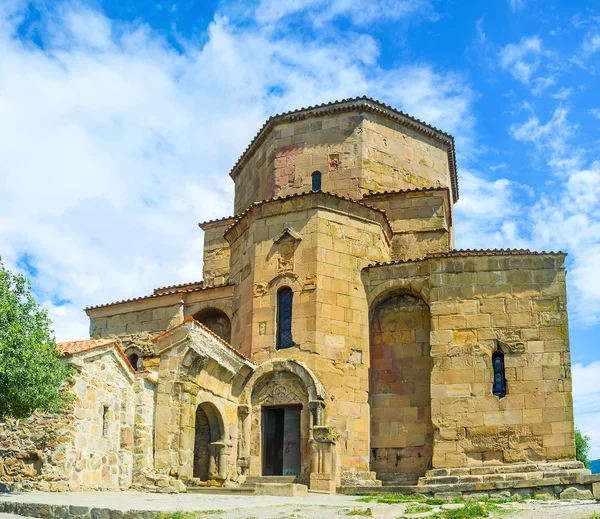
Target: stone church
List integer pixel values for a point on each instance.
(337, 340)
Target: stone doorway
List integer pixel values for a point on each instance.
(281, 441)
(206, 442)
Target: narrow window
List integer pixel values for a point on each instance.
(284, 318)
(499, 385)
(105, 421)
(316, 181)
(134, 361)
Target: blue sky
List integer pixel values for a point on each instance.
(121, 119)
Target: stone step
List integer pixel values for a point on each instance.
(281, 489)
(513, 468)
(253, 480)
(551, 485)
(485, 478)
(221, 490)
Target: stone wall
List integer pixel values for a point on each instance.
(480, 304)
(36, 453)
(216, 253)
(356, 153)
(421, 221)
(331, 241)
(136, 321)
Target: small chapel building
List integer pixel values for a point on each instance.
(337, 340)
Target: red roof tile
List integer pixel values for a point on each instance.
(208, 330)
(75, 347)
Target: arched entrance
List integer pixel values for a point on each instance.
(280, 402)
(400, 388)
(216, 321)
(207, 437)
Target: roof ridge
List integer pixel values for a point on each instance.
(407, 190)
(94, 344)
(179, 285)
(297, 195)
(468, 253)
(191, 319)
(155, 295)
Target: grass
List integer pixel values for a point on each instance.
(363, 512)
(471, 510)
(417, 509)
(393, 499)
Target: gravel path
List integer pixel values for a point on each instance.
(314, 506)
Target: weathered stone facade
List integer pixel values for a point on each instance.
(337, 340)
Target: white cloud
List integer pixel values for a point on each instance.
(594, 112)
(562, 94)
(591, 43)
(115, 144)
(359, 12)
(493, 224)
(517, 5)
(551, 137)
(521, 59)
(586, 401)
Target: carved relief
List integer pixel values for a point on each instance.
(281, 394)
(333, 161)
(310, 283)
(260, 289)
(280, 388)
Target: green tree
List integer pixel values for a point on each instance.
(582, 447)
(32, 375)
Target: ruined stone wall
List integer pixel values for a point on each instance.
(36, 453)
(401, 429)
(98, 443)
(356, 153)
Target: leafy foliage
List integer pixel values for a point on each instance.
(582, 447)
(32, 375)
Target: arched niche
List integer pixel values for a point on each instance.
(208, 437)
(217, 321)
(400, 387)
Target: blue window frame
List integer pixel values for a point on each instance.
(284, 318)
(499, 384)
(316, 181)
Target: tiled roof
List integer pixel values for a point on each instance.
(469, 253)
(178, 288)
(75, 347)
(206, 329)
(404, 191)
(363, 103)
(490, 252)
(162, 292)
(216, 220)
(298, 195)
(71, 347)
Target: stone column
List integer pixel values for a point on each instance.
(187, 429)
(323, 469)
(244, 440)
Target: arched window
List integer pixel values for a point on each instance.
(316, 181)
(134, 360)
(499, 384)
(284, 318)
